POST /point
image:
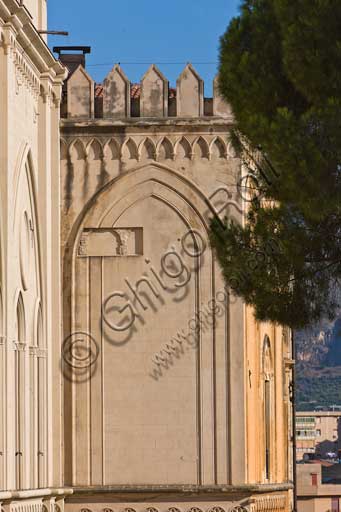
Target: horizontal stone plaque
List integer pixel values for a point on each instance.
(108, 242)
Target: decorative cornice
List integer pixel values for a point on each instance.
(26, 74)
(140, 122)
(266, 503)
(60, 492)
(18, 20)
(132, 147)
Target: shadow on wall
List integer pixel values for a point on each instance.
(325, 447)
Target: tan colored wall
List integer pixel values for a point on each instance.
(201, 422)
(157, 420)
(318, 497)
(318, 504)
(306, 505)
(280, 450)
(329, 427)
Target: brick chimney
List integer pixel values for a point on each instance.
(69, 58)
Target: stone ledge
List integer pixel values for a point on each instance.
(184, 490)
(35, 493)
(145, 122)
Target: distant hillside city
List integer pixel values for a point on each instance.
(318, 356)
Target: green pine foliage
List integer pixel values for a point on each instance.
(312, 391)
(280, 70)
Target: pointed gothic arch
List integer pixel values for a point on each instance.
(218, 148)
(19, 374)
(111, 150)
(20, 320)
(183, 148)
(201, 148)
(147, 149)
(77, 150)
(129, 150)
(268, 401)
(122, 205)
(26, 222)
(26, 227)
(165, 149)
(94, 150)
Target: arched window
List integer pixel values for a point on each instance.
(20, 331)
(267, 393)
(20, 321)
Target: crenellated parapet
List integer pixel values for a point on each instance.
(117, 98)
(190, 93)
(116, 94)
(80, 95)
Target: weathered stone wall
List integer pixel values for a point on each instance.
(156, 178)
(136, 179)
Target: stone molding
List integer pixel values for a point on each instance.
(175, 492)
(34, 494)
(151, 147)
(26, 74)
(226, 507)
(30, 55)
(266, 503)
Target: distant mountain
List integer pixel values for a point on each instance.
(318, 363)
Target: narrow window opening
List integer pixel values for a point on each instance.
(267, 429)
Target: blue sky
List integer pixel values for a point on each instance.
(138, 32)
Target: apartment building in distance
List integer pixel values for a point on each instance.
(318, 487)
(317, 433)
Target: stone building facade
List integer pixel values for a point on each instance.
(185, 405)
(130, 379)
(30, 329)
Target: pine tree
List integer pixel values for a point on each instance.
(280, 70)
